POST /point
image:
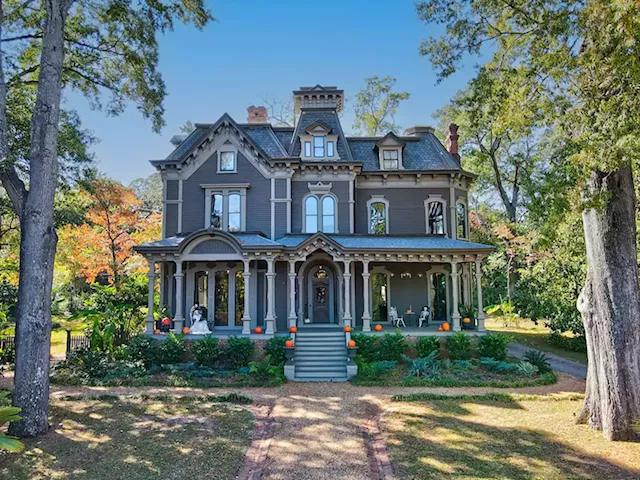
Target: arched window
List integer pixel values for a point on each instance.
(378, 218)
(328, 215)
(311, 215)
(461, 210)
(234, 212)
(436, 218)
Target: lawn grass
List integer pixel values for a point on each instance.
(501, 437)
(58, 335)
(135, 438)
(535, 336)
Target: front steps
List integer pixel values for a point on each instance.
(320, 355)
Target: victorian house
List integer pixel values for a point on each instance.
(273, 227)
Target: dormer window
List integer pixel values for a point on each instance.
(390, 152)
(227, 159)
(390, 159)
(318, 142)
(318, 147)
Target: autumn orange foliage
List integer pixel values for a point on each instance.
(104, 245)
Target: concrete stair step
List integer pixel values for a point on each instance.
(318, 357)
(321, 379)
(326, 369)
(320, 363)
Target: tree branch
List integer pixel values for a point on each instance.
(15, 188)
(20, 37)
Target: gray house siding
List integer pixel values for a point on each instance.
(281, 219)
(172, 190)
(406, 208)
(171, 220)
(258, 195)
(301, 188)
(281, 188)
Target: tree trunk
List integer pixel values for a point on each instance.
(610, 307)
(38, 237)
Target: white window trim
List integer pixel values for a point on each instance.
(225, 191)
(382, 149)
(433, 199)
(228, 148)
(320, 197)
(463, 201)
(378, 199)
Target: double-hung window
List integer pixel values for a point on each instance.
(390, 159)
(318, 147)
(227, 162)
(225, 208)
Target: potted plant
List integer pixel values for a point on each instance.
(468, 316)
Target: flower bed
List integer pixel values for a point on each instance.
(206, 363)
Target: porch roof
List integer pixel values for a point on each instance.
(391, 242)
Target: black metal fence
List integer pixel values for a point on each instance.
(76, 342)
(7, 342)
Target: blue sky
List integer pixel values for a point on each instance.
(269, 48)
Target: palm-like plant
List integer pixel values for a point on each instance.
(9, 414)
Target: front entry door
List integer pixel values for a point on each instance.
(439, 296)
(320, 295)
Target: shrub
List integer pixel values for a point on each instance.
(526, 369)
(493, 346)
(391, 347)
(575, 344)
(264, 373)
(459, 346)
(8, 355)
(173, 349)
(239, 351)
(426, 345)
(275, 348)
(375, 370)
(206, 350)
(539, 359)
(145, 349)
(497, 366)
(426, 367)
(367, 346)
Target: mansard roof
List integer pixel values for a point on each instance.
(421, 151)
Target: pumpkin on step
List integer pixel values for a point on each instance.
(347, 329)
(157, 331)
(293, 329)
(185, 330)
(440, 329)
(258, 330)
(446, 327)
(351, 343)
(289, 343)
(378, 328)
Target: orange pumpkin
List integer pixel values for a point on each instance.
(258, 330)
(293, 329)
(351, 343)
(446, 327)
(466, 320)
(440, 329)
(157, 331)
(347, 329)
(289, 343)
(185, 330)
(378, 328)
(166, 321)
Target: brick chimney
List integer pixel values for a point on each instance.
(257, 114)
(452, 140)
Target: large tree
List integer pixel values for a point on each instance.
(588, 55)
(376, 105)
(97, 46)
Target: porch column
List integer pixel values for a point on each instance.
(292, 293)
(347, 293)
(455, 314)
(178, 320)
(481, 315)
(301, 312)
(246, 316)
(151, 275)
(271, 296)
(366, 314)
